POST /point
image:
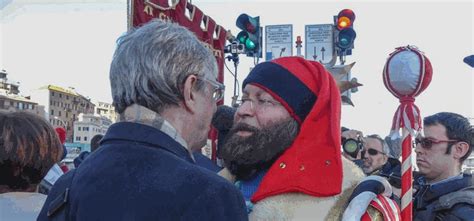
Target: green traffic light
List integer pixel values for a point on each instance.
(344, 42)
(250, 35)
(242, 37)
(249, 44)
(346, 38)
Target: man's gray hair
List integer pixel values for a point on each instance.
(151, 63)
(385, 147)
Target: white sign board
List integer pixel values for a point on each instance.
(278, 41)
(319, 42)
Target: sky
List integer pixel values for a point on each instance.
(70, 43)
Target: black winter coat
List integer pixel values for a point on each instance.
(140, 174)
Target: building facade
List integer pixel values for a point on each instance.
(468, 165)
(107, 110)
(63, 106)
(89, 125)
(11, 100)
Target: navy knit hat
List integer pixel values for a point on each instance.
(284, 86)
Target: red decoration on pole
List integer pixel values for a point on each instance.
(406, 74)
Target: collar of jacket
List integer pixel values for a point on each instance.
(146, 135)
(434, 191)
(138, 114)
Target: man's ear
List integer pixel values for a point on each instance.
(189, 94)
(460, 149)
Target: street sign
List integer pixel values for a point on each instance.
(319, 42)
(278, 41)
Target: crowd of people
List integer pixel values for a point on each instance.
(283, 154)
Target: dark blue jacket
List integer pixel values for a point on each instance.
(205, 162)
(140, 174)
(449, 201)
(79, 159)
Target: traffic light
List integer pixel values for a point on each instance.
(251, 34)
(344, 32)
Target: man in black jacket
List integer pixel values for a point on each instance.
(164, 87)
(444, 193)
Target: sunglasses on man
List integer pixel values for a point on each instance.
(372, 152)
(427, 142)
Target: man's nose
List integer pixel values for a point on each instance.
(245, 109)
(418, 148)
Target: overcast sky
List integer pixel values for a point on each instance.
(70, 43)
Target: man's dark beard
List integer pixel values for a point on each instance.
(245, 156)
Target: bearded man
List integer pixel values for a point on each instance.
(283, 151)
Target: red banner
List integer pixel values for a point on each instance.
(184, 13)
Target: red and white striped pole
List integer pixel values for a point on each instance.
(406, 74)
(407, 168)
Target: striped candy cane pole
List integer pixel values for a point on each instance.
(407, 68)
(407, 190)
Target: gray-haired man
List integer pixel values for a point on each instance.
(376, 153)
(164, 87)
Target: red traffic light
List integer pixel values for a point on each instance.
(247, 23)
(345, 19)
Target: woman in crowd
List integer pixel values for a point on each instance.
(29, 146)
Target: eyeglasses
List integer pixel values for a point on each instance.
(260, 103)
(427, 142)
(372, 152)
(218, 92)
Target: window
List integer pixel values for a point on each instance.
(51, 103)
(59, 113)
(78, 138)
(67, 114)
(52, 112)
(79, 128)
(60, 95)
(85, 138)
(52, 94)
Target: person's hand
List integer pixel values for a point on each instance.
(356, 135)
(349, 157)
(352, 134)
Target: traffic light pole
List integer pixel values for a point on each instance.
(342, 58)
(234, 57)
